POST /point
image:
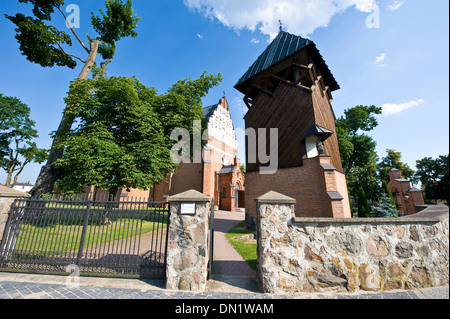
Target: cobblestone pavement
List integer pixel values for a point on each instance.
(30, 287)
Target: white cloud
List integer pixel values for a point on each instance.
(380, 59)
(300, 17)
(396, 5)
(254, 40)
(389, 109)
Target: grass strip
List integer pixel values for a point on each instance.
(246, 249)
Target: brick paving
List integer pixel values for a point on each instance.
(34, 290)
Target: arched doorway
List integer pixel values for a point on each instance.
(236, 195)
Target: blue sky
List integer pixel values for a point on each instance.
(402, 64)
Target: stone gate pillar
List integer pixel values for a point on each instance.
(7, 197)
(187, 251)
(273, 213)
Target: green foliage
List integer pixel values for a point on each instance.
(358, 150)
(389, 194)
(363, 205)
(16, 134)
(118, 22)
(39, 42)
(43, 43)
(121, 140)
(434, 175)
(393, 160)
(384, 208)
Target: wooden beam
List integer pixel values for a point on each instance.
(262, 90)
(291, 83)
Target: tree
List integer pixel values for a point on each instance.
(358, 150)
(393, 160)
(16, 134)
(121, 139)
(384, 209)
(42, 43)
(389, 194)
(434, 176)
(363, 205)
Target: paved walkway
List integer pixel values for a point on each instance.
(19, 286)
(227, 261)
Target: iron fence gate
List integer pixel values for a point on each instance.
(97, 238)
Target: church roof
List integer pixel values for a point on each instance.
(209, 111)
(282, 47)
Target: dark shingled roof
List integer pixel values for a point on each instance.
(285, 45)
(209, 111)
(319, 131)
(335, 196)
(227, 169)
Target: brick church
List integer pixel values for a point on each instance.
(218, 176)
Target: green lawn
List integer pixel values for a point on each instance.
(245, 249)
(57, 238)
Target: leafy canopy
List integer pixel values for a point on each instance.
(16, 134)
(434, 175)
(393, 160)
(121, 139)
(43, 43)
(358, 150)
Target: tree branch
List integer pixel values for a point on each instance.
(73, 30)
(103, 67)
(73, 56)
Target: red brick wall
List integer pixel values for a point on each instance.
(308, 185)
(305, 184)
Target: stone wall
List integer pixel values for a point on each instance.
(316, 255)
(187, 250)
(7, 198)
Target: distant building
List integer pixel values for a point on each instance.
(407, 198)
(23, 187)
(219, 174)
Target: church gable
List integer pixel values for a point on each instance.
(220, 125)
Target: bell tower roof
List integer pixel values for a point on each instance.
(286, 45)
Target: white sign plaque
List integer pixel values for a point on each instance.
(187, 208)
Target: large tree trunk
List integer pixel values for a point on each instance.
(48, 175)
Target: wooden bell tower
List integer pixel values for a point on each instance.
(289, 87)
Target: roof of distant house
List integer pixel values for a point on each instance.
(9, 192)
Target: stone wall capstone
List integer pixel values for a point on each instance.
(187, 251)
(318, 255)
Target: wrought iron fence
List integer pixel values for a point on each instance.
(125, 238)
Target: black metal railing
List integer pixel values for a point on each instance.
(125, 238)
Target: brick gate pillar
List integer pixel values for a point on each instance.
(187, 250)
